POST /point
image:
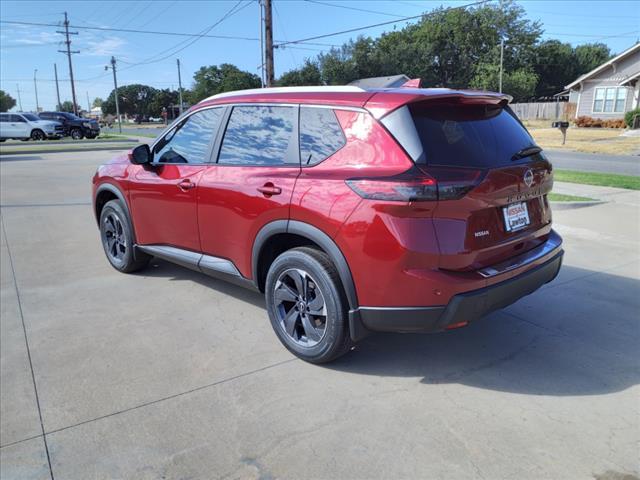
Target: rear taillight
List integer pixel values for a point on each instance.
(406, 187)
(453, 182)
(419, 184)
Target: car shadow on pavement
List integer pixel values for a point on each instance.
(575, 336)
(572, 337)
(161, 268)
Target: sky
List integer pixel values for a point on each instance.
(151, 58)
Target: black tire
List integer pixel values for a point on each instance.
(76, 134)
(37, 135)
(118, 240)
(320, 276)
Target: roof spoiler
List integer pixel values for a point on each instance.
(413, 83)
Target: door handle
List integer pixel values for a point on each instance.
(269, 189)
(185, 185)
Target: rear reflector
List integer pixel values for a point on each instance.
(457, 325)
(419, 184)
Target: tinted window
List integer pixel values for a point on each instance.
(17, 119)
(31, 117)
(189, 142)
(45, 116)
(260, 135)
(320, 134)
(469, 135)
(4, 118)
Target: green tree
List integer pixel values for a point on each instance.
(520, 83)
(163, 98)
(308, 74)
(555, 65)
(7, 102)
(132, 99)
(217, 79)
(97, 102)
(67, 106)
(590, 56)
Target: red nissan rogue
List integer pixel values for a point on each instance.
(353, 210)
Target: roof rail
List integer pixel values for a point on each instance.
(310, 89)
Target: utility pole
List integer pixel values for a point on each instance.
(261, 43)
(19, 99)
(69, 53)
(88, 104)
(115, 91)
(35, 85)
(55, 71)
(501, 61)
(268, 33)
(179, 85)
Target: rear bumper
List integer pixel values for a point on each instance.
(463, 307)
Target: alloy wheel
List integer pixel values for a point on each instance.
(37, 135)
(300, 307)
(114, 237)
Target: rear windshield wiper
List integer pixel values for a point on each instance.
(526, 152)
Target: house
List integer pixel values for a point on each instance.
(611, 89)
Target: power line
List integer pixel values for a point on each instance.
(181, 45)
(151, 32)
(354, 8)
(366, 27)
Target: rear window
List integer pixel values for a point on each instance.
(482, 136)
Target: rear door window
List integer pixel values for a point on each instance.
(191, 140)
(320, 134)
(481, 136)
(260, 135)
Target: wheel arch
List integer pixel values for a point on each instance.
(106, 192)
(315, 236)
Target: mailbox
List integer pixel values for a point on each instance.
(562, 126)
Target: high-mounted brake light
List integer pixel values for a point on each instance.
(419, 185)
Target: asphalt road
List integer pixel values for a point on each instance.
(595, 162)
(170, 374)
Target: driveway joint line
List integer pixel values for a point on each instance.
(23, 205)
(26, 341)
(20, 441)
(175, 395)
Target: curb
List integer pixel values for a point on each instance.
(574, 205)
(89, 148)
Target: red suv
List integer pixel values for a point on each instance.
(353, 210)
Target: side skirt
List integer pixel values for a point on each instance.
(216, 267)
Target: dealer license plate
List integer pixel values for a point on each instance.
(516, 216)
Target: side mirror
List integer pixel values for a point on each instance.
(140, 155)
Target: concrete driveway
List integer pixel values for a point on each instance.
(170, 374)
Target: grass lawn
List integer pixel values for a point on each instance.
(588, 140)
(559, 197)
(601, 179)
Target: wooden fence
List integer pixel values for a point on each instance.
(544, 111)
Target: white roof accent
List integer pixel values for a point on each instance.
(582, 78)
(336, 89)
(630, 78)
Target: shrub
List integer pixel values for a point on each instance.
(628, 117)
(589, 122)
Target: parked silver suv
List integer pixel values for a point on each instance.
(24, 126)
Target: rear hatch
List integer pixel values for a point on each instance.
(492, 181)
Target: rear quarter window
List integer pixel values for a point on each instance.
(320, 134)
(481, 136)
